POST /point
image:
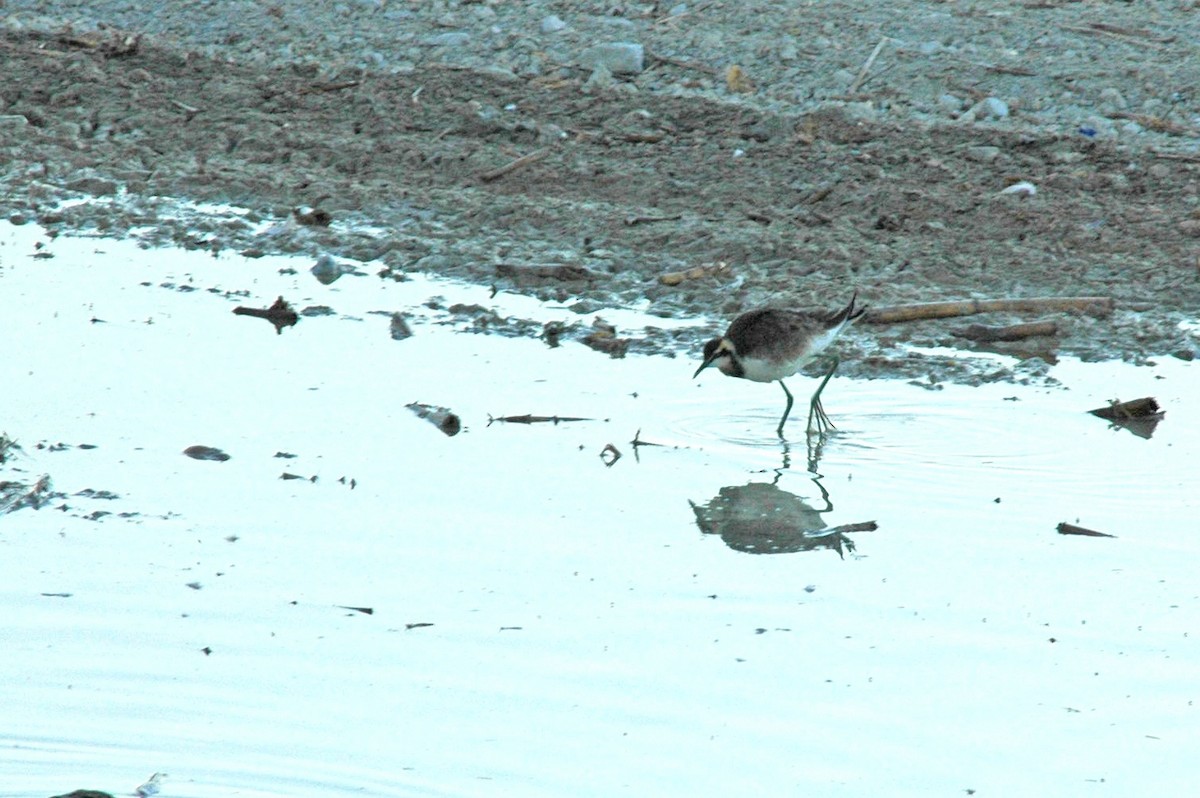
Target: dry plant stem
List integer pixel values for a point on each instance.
(967, 307)
(866, 67)
(512, 166)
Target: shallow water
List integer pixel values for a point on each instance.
(544, 624)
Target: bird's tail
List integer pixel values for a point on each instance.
(846, 314)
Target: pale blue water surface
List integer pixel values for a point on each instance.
(543, 624)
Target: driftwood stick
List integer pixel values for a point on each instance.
(279, 314)
(529, 418)
(1098, 305)
(441, 417)
(514, 165)
(1070, 529)
(1013, 332)
(695, 273)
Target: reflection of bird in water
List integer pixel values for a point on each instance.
(769, 344)
(761, 518)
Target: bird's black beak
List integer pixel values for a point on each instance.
(708, 362)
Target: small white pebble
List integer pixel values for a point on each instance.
(1022, 189)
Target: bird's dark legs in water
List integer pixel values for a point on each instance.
(786, 410)
(815, 409)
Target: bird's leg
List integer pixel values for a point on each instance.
(786, 410)
(815, 409)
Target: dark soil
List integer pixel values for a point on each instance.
(617, 188)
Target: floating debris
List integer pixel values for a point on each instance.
(279, 314)
(206, 453)
(398, 328)
(1139, 416)
(441, 417)
(1070, 529)
(531, 419)
(1116, 410)
(151, 786)
(328, 270)
(610, 455)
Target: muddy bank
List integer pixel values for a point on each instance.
(562, 185)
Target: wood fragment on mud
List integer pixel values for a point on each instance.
(1013, 332)
(1071, 529)
(719, 268)
(279, 314)
(514, 165)
(441, 417)
(891, 314)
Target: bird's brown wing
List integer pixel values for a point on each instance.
(773, 332)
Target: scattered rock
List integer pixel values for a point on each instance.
(552, 24)
(619, 58)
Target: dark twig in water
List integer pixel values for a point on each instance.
(637, 441)
(279, 314)
(531, 419)
(1070, 529)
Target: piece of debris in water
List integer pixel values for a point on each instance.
(610, 455)
(440, 417)
(532, 419)
(1070, 529)
(279, 314)
(1139, 416)
(151, 786)
(328, 270)
(1144, 408)
(398, 328)
(206, 453)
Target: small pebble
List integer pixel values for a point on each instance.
(553, 24)
(619, 58)
(983, 154)
(950, 103)
(992, 108)
(449, 39)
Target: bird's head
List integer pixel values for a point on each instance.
(717, 352)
